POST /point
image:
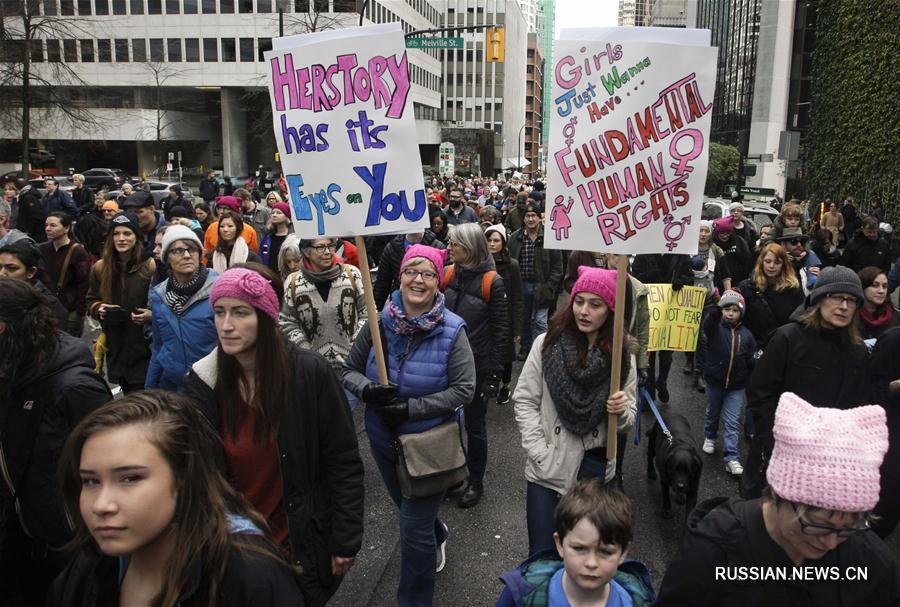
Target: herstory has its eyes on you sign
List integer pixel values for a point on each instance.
(629, 138)
(346, 134)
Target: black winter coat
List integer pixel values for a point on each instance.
(512, 281)
(729, 353)
(387, 280)
(31, 214)
(487, 324)
(729, 536)
(250, 580)
(740, 257)
(663, 269)
(862, 252)
(884, 367)
(320, 465)
(170, 203)
(767, 310)
(83, 198)
(45, 403)
(548, 267)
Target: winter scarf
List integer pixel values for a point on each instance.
(239, 254)
(877, 321)
(405, 327)
(579, 393)
(327, 276)
(178, 294)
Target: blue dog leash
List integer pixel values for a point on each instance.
(645, 396)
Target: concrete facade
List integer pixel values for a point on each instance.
(534, 103)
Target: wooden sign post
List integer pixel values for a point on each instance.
(371, 310)
(615, 382)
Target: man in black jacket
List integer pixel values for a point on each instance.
(82, 196)
(867, 248)
(209, 187)
(47, 385)
(387, 279)
(31, 214)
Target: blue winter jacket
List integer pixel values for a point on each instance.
(729, 353)
(421, 371)
(179, 341)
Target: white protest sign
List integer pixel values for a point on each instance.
(629, 139)
(345, 132)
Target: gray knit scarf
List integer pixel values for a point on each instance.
(579, 393)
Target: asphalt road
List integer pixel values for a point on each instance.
(492, 538)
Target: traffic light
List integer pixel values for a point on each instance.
(494, 40)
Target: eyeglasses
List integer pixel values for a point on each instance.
(838, 299)
(794, 242)
(325, 247)
(426, 275)
(821, 530)
(180, 251)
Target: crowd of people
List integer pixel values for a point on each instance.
(202, 450)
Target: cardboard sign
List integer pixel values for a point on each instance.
(345, 132)
(674, 317)
(629, 140)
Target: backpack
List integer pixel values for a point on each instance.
(486, 279)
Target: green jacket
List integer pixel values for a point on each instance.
(548, 267)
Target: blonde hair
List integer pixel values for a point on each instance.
(787, 279)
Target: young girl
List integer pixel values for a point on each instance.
(231, 247)
(563, 397)
(155, 521)
(288, 442)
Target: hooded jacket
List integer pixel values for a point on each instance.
(45, 402)
(729, 353)
(728, 538)
(862, 252)
(321, 470)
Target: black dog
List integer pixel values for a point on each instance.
(679, 463)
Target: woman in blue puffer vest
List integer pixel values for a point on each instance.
(432, 374)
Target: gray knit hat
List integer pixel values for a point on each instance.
(838, 279)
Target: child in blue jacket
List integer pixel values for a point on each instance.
(729, 360)
(594, 526)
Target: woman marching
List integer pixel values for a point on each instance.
(508, 268)
(432, 371)
(155, 521)
(877, 314)
(476, 292)
(289, 444)
(772, 293)
(231, 247)
(280, 228)
(563, 398)
(117, 297)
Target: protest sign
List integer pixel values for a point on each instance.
(674, 317)
(346, 133)
(629, 134)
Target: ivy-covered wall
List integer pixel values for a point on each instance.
(854, 142)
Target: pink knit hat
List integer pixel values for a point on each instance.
(828, 458)
(724, 225)
(435, 256)
(598, 281)
(231, 202)
(248, 286)
(283, 207)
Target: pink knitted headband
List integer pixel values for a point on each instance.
(248, 286)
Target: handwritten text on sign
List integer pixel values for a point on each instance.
(674, 317)
(347, 142)
(629, 132)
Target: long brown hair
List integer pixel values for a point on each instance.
(563, 321)
(787, 279)
(273, 377)
(115, 267)
(187, 441)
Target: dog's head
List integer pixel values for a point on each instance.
(683, 468)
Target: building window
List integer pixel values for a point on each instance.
(228, 50)
(50, 8)
(192, 50)
(320, 6)
(87, 51)
(173, 7)
(121, 51)
(247, 49)
(70, 51)
(344, 6)
(210, 50)
(174, 47)
(301, 6)
(264, 44)
(37, 50)
(120, 7)
(246, 6)
(101, 7)
(138, 50)
(154, 7)
(53, 54)
(226, 6)
(191, 7)
(263, 6)
(67, 7)
(104, 51)
(137, 7)
(84, 7)
(209, 7)
(157, 52)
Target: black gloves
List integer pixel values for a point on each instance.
(394, 412)
(492, 385)
(642, 378)
(379, 394)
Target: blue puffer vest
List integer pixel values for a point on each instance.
(423, 371)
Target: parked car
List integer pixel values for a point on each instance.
(760, 213)
(15, 176)
(111, 179)
(160, 191)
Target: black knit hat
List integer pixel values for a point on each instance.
(838, 279)
(124, 219)
(138, 200)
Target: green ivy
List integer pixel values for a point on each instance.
(854, 137)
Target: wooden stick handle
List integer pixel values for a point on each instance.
(615, 382)
(371, 310)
